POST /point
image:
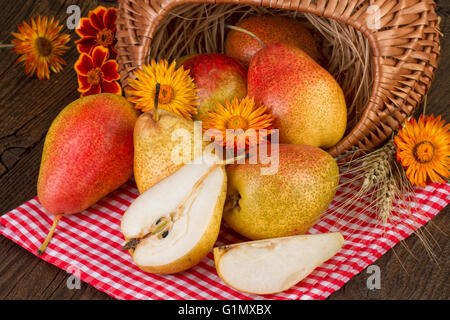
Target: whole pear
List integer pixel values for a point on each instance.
(268, 29)
(88, 152)
(218, 78)
(161, 147)
(307, 102)
(286, 203)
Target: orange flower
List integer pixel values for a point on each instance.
(177, 95)
(423, 148)
(97, 74)
(238, 123)
(98, 30)
(40, 44)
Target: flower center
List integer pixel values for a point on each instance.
(165, 94)
(237, 122)
(423, 152)
(44, 46)
(95, 76)
(105, 37)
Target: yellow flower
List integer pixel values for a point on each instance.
(239, 121)
(177, 92)
(40, 44)
(423, 148)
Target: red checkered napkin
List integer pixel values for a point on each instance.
(89, 245)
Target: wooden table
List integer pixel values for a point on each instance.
(27, 108)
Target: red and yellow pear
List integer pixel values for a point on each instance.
(218, 78)
(307, 102)
(88, 153)
(269, 29)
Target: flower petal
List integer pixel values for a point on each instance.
(110, 71)
(85, 28)
(95, 89)
(111, 87)
(84, 64)
(83, 83)
(113, 51)
(99, 56)
(96, 17)
(86, 45)
(109, 19)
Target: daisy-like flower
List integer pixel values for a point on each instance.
(177, 92)
(97, 74)
(99, 29)
(239, 123)
(40, 44)
(423, 148)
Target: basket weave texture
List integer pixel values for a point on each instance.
(405, 52)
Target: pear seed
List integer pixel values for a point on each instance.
(160, 226)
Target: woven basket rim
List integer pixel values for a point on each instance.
(405, 53)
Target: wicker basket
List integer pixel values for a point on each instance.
(405, 52)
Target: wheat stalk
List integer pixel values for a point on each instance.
(383, 181)
(377, 166)
(386, 196)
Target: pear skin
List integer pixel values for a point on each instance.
(155, 148)
(218, 78)
(270, 30)
(88, 152)
(307, 102)
(286, 203)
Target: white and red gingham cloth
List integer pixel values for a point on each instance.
(89, 245)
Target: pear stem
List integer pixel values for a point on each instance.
(247, 32)
(155, 112)
(41, 250)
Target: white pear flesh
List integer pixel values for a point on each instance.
(274, 265)
(201, 189)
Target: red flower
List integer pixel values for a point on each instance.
(98, 30)
(97, 74)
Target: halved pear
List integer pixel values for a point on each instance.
(173, 225)
(274, 265)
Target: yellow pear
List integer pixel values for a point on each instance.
(285, 203)
(161, 147)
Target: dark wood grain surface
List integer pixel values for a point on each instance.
(28, 106)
